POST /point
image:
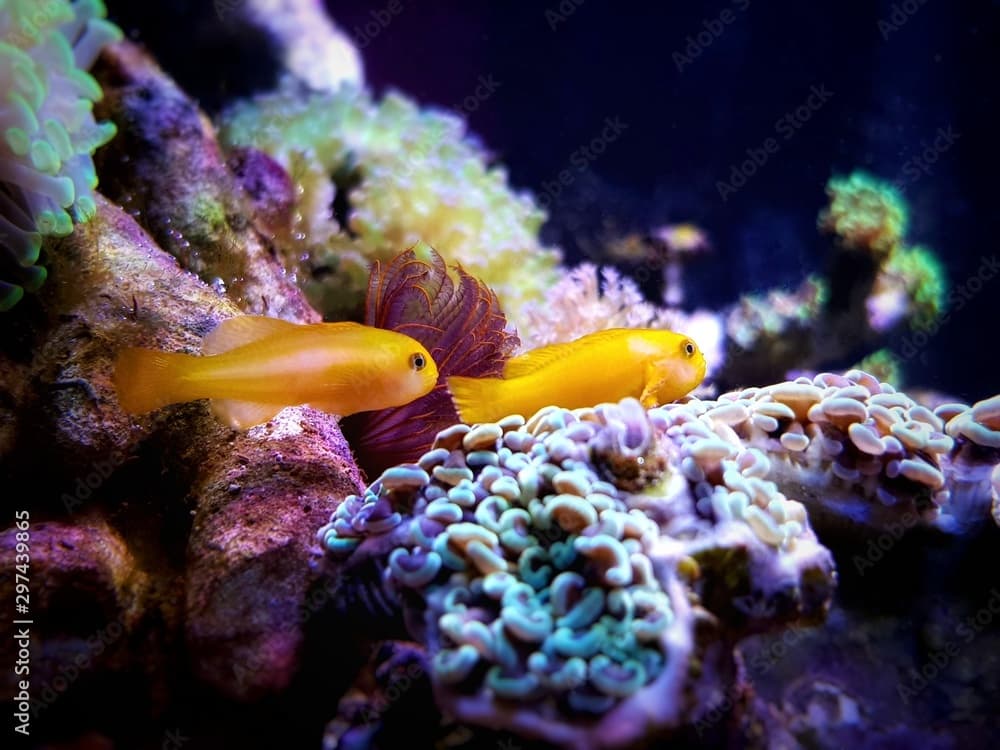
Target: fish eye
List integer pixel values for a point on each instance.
(688, 347)
(418, 361)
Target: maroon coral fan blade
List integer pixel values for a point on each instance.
(460, 323)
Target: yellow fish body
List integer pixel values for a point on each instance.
(654, 366)
(252, 367)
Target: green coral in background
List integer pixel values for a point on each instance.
(884, 365)
(869, 215)
(374, 178)
(865, 213)
(48, 129)
(777, 313)
(923, 278)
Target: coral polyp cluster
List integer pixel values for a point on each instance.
(545, 584)
(865, 213)
(973, 464)
(588, 299)
(849, 444)
(868, 220)
(376, 177)
(916, 274)
(46, 173)
(553, 567)
(778, 317)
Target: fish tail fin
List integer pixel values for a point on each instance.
(476, 399)
(146, 379)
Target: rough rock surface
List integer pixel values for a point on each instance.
(109, 287)
(169, 520)
(87, 599)
(249, 551)
(165, 167)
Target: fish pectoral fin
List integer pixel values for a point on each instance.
(654, 381)
(242, 415)
(648, 398)
(233, 333)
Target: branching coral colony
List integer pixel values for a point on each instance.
(49, 133)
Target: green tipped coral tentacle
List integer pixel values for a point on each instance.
(865, 213)
(46, 173)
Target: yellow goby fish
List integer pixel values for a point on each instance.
(654, 366)
(252, 367)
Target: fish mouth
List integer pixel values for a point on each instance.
(700, 372)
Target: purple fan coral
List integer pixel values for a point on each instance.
(458, 319)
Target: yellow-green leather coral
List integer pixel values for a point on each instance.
(922, 276)
(865, 213)
(47, 127)
(869, 215)
(374, 178)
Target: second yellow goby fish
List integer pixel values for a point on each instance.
(252, 367)
(654, 366)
